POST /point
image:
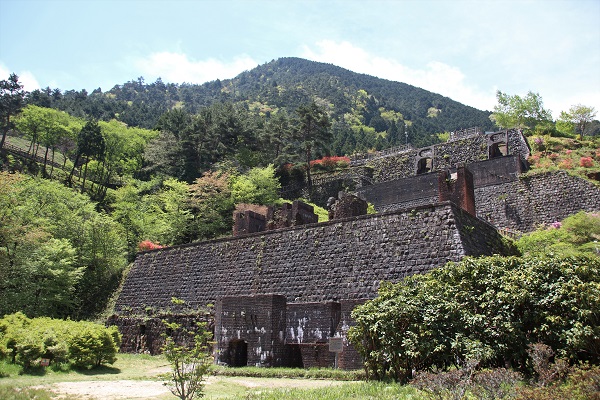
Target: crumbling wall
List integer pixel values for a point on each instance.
(462, 151)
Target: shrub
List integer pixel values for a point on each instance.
(586, 162)
(534, 159)
(489, 309)
(189, 365)
(83, 344)
(146, 245)
(330, 163)
(93, 345)
(567, 163)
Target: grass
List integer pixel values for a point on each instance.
(296, 373)
(229, 383)
(127, 367)
(359, 390)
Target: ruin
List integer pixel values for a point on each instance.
(283, 284)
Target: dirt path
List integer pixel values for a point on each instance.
(134, 389)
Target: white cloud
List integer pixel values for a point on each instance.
(436, 76)
(26, 78)
(178, 68)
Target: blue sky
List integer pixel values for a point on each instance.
(465, 50)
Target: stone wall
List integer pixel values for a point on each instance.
(532, 200)
(469, 150)
(144, 334)
(448, 155)
(343, 259)
(250, 330)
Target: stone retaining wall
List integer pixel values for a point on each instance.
(343, 259)
(536, 199)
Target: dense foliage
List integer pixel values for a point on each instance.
(487, 309)
(82, 344)
(58, 256)
(366, 112)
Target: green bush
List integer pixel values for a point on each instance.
(93, 345)
(577, 233)
(83, 344)
(487, 309)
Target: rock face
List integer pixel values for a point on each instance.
(283, 285)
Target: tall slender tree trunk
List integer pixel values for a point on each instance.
(52, 164)
(4, 132)
(73, 170)
(45, 174)
(31, 144)
(308, 176)
(87, 160)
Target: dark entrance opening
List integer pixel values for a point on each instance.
(498, 150)
(424, 165)
(293, 356)
(238, 353)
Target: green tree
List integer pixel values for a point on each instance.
(211, 204)
(313, 133)
(520, 112)
(124, 151)
(90, 143)
(189, 363)
(42, 224)
(277, 138)
(47, 127)
(580, 116)
(11, 102)
(257, 186)
(158, 211)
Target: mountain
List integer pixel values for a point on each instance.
(367, 112)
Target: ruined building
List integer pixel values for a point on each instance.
(283, 284)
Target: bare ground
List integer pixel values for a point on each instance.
(138, 389)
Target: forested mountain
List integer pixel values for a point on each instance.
(366, 112)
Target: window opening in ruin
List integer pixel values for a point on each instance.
(142, 329)
(424, 165)
(238, 353)
(498, 150)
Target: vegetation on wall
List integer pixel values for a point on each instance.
(578, 157)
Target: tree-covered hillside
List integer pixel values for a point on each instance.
(366, 112)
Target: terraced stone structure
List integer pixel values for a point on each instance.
(283, 286)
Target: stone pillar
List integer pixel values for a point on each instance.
(458, 188)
